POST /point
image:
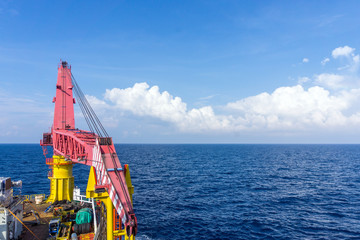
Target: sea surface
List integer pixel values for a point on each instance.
(225, 191)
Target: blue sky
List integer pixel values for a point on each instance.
(186, 71)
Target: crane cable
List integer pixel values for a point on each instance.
(94, 124)
(82, 105)
(23, 224)
(100, 130)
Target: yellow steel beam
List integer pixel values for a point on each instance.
(104, 197)
(128, 182)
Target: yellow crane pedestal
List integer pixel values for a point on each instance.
(61, 179)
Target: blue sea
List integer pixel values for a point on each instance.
(225, 191)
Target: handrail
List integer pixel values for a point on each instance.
(50, 161)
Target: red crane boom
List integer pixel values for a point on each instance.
(87, 147)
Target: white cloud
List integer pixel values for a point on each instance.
(342, 51)
(142, 100)
(347, 75)
(326, 60)
(287, 108)
(294, 107)
(302, 80)
(356, 59)
(305, 60)
(354, 67)
(329, 80)
(96, 103)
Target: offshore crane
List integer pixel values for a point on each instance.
(108, 180)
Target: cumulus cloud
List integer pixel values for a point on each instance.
(302, 80)
(296, 107)
(354, 67)
(143, 100)
(305, 60)
(326, 60)
(329, 80)
(348, 53)
(347, 75)
(286, 108)
(342, 51)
